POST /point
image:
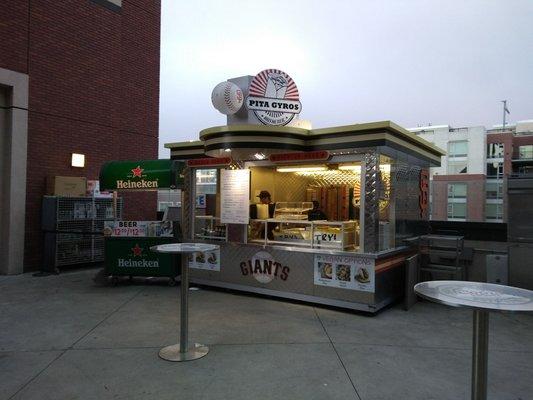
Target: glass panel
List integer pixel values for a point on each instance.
(493, 211)
(457, 167)
(494, 190)
(458, 149)
(495, 150)
(525, 152)
(457, 210)
(495, 170)
(457, 190)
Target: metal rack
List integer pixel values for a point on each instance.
(73, 229)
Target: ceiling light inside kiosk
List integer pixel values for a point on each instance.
(302, 168)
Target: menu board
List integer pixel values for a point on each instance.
(354, 273)
(209, 261)
(234, 196)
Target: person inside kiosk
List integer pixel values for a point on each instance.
(263, 210)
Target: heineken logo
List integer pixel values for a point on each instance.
(137, 172)
(137, 185)
(137, 250)
(134, 262)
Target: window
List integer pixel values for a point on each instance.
(456, 191)
(495, 150)
(206, 177)
(525, 152)
(458, 149)
(457, 200)
(495, 170)
(113, 5)
(493, 211)
(456, 210)
(494, 190)
(457, 167)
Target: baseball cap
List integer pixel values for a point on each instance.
(263, 193)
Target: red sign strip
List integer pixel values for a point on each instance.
(209, 162)
(320, 155)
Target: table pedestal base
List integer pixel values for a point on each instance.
(173, 353)
(480, 354)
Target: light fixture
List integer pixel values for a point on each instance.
(77, 160)
(259, 156)
(227, 150)
(350, 167)
(302, 168)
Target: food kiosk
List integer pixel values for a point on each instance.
(370, 180)
(127, 243)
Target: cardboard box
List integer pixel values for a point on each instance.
(70, 186)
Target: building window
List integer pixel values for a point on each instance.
(206, 177)
(493, 212)
(456, 191)
(458, 149)
(494, 190)
(525, 152)
(495, 170)
(457, 167)
(457, 211)
(113, 5)
(495, 150)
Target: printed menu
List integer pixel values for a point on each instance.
(234, 196)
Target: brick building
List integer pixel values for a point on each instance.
(75, 77)
(471, 183)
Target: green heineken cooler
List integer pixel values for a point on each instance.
(131, 256)
(127, 243)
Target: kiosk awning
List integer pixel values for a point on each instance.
(142, 175)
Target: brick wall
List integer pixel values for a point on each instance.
(14, 18)
(475, 196)
(94, 89)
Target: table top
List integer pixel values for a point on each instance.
(184, 248)
(477, 295)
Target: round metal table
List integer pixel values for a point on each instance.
(182, 351)
(482, 298)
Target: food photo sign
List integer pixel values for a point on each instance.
(345, 272)
(209, 261)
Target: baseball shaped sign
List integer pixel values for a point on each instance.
(227, 98)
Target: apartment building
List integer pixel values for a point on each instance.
(471, 185)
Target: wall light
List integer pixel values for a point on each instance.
(77, 160)
(302, 168)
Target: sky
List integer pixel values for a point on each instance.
(413, 62)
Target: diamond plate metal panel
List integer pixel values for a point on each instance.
(405, 181)
(371, 208)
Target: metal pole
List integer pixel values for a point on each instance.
(480, 354)
(184, 304)
(504, 110)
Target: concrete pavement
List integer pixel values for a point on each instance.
(63, 337)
